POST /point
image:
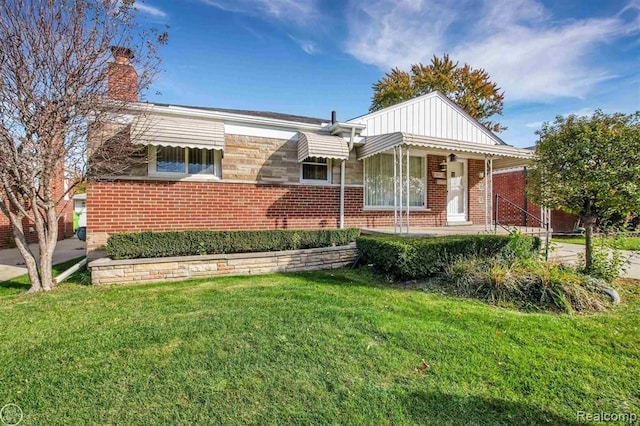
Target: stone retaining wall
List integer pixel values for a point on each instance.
(107, 271)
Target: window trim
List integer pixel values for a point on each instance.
(329, 166)
(423, 207)
(153, 165)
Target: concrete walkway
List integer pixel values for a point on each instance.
(568, 253)
(12, 263)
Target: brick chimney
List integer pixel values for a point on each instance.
(122, 77)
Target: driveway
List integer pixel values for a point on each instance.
(568, 253)
(12, 264)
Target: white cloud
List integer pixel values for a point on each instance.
(534, 124)
(391, 33)
(295, 11)
(150, 10)
(301, 15)
(586, 111)
(528, 53)
(309, 47)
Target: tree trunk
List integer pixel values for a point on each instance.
(19, 236)
(47, 228)
(588, 252)
(29, 259)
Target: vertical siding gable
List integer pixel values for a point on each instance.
(429, 116)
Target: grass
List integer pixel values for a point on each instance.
(21, 283)
(314, 348)
(629, 243)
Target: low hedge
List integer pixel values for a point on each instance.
(414, 258)
(188, 243)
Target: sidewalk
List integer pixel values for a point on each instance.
(12, 264)
(568, 253)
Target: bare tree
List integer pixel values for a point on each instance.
(54, 70)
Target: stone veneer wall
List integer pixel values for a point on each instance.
(107, 271)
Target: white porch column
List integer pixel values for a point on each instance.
(400, 184)
(395, 191)
(492, 222)
(486, 195)
(408, 189)
(342, 183)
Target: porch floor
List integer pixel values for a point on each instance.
(422, 231)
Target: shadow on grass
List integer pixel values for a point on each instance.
(23, 283)
(446, 409)
(15, 284)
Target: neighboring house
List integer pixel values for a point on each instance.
(424, 163)
(509, 185)
(79, 211)
(65, 221)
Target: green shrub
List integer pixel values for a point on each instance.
(414, 258)
(521, 247)
(527, 283)
(608, 261)
(188, 243)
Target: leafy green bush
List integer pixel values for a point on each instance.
(521, 247)
(187, 243)
(413, 258)
(607, 261)
(526, 283)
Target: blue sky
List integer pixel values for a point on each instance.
(309, 57)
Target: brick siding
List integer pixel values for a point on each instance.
(145, 205)
(511, 185)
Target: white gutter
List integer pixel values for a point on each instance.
(343, 170)
(340, 128)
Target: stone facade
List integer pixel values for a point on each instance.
(107, 271)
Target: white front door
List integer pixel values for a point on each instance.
(457, 191)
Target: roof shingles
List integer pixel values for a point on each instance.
(265, 114)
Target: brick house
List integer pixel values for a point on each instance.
(510, 185)
(422, 163)
(65, 219)
(65, 228)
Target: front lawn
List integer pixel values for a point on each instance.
(629, 243)
(316, 348)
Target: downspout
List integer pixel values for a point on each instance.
(343, 170)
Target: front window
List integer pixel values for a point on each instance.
(379, 181)
(184, 161)
(315, 169)
(170, 159)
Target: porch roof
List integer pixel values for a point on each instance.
(178, 132)
(323, 146)
(504, 156)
